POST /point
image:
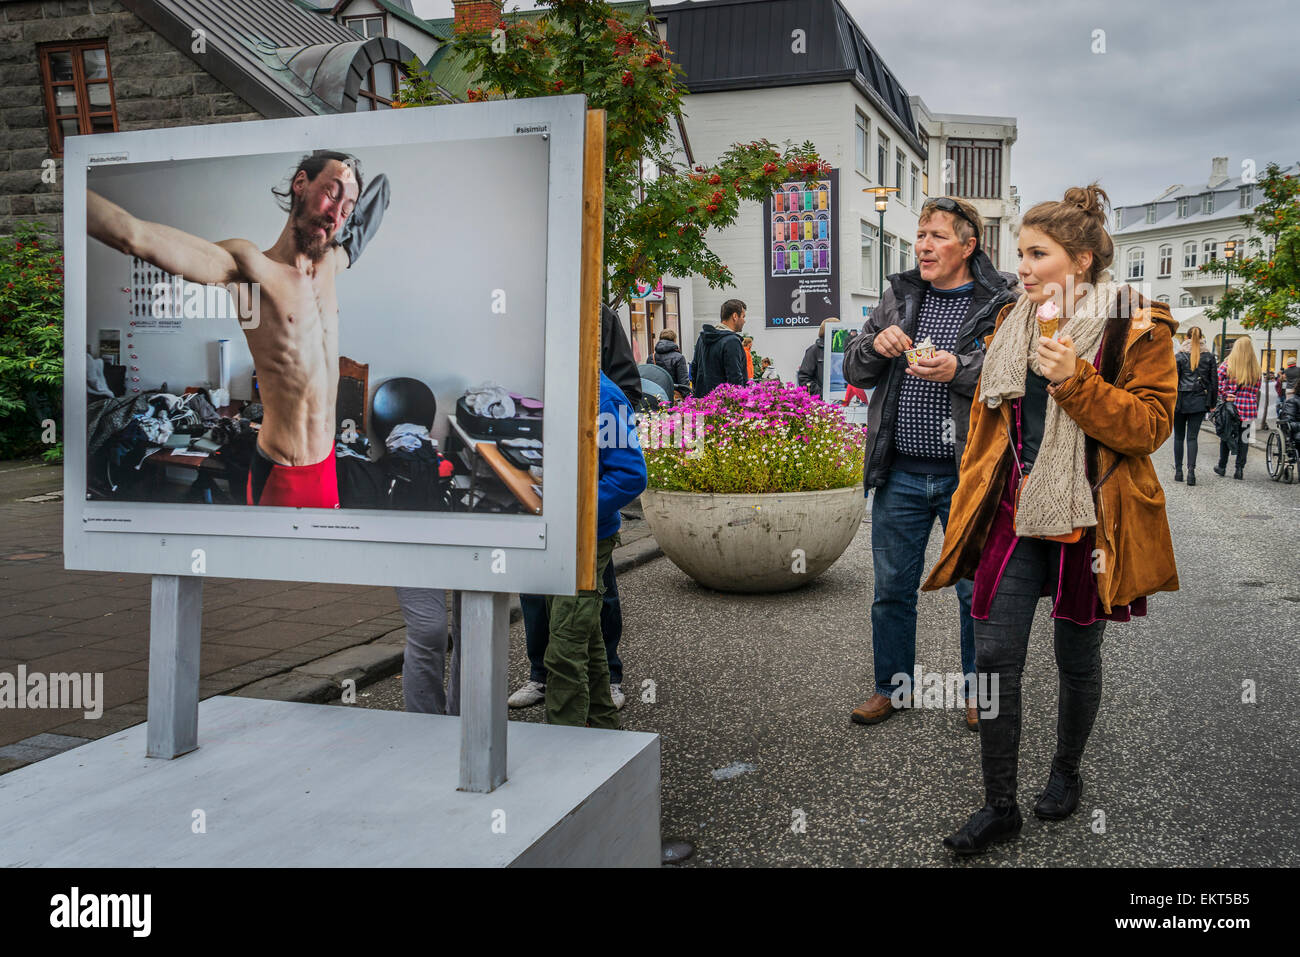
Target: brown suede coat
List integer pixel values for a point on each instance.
(1125, 409)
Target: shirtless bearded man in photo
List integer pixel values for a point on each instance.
(294, 339)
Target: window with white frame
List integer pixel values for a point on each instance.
(916, 175)
(1164, 298)
(904, 255)
(1151, 213)
(1209, 250)
(1186, 299)
(1136, 263)
(889, 245)
(365, 26)
(1207, 203)
(1182, 208)
(870, 267)
(1189, 255)
(1238, 251)
(900, 163)
(882, 159)
(1246, 196)
(1166, 261)
(862, 139)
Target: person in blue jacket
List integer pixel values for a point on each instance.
(577, 689)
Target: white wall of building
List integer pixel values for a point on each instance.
(824, 114)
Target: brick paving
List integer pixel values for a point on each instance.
(53, 620)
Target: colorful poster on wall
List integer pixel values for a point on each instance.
(800, 232)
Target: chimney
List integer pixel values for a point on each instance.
(473, 15)
(1218, 171)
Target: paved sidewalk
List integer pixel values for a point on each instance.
(271, 639)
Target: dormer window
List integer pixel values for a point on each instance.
(1151, 213)
(1207, 203)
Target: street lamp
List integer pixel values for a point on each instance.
(882, 202)
(1229, 252)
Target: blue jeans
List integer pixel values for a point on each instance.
(537, 630)
(901, 518)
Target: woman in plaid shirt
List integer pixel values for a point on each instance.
(1239, 384)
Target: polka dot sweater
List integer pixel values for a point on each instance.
(924, 408)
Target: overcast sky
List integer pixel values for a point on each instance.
(1180, 81)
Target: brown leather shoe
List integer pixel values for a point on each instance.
(972, 719)
(874, 710)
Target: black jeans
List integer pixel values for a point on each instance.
(1242, 447)
(1000, 646)
(1188, 423)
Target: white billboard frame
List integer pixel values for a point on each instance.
(487, 552)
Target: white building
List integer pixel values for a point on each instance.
(803, 70)
(1161, 244)
(971, 158)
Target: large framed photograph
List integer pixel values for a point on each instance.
(340, 348)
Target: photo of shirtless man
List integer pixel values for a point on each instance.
(294, 337)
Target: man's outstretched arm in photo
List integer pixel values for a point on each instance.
(173, 250)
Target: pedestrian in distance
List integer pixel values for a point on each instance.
(1239, 385)
(719, 354)
(1198, 390)
(814, 361)
(1058, 495)
(747, 343)
(668, 356)
(916, 431)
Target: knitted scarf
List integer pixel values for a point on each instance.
(1059, 497)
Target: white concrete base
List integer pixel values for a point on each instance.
(284, 784)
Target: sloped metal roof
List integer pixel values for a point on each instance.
(749, 44)
(280, 57)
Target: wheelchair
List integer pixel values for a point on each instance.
(1281, 455)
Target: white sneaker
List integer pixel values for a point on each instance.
(529, 694)
(620, 699)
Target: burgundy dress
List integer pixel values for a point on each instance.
(1071, 581)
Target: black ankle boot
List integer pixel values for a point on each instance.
(1236, 473)
(1220, 470)
(1191, 476)
(988, 825)
(1178, 474)
(1060, 798)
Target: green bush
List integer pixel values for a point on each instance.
(31, 341)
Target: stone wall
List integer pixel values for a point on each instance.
(156, 86)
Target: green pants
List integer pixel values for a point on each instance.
(577, 668)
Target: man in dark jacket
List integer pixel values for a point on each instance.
(814, 360)
(616, 359)
(719, 353)
(916, 430)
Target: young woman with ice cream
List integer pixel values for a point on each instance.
(1057, 495)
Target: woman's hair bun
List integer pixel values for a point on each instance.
(1092, 199)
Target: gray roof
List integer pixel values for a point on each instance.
(745, 45)
(277, 55)
(1227, 205)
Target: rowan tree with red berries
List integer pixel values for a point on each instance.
(655, 224)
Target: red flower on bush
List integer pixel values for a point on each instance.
(715, 179)
(558, 85)
(719, 196)
(628, 80)
(711, 208)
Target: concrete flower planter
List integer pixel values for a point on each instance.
(752, 543)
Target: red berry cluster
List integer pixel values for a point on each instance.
(628, 79)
